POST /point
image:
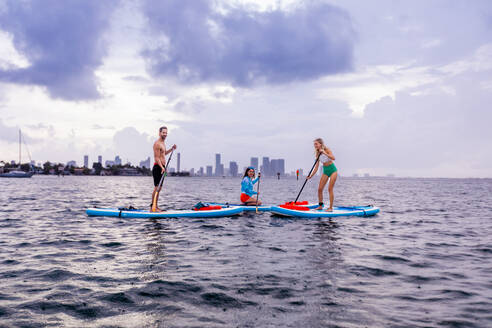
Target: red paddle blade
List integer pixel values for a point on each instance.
(297, 203)
(295, 207)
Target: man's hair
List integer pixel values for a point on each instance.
(162, 128)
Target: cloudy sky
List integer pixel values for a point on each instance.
(402, 87)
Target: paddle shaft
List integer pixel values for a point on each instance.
(258, 193)
(166, 167)
(299, 194)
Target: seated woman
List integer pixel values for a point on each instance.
(247, 191)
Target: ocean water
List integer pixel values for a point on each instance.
(424, 261)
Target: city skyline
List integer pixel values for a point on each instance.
(271, 168)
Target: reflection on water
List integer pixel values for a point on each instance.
(423, 261)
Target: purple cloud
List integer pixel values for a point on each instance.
(243, 47)
(63, 42)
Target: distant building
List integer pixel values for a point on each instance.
(277, 166)
(254, 162)
(172, 170)
(117, 160)
(233, 169)
(265, 166)
(100, 159)
(86, 160)
(366, 175)
(78, 171)
(33, 163)
(209, 170)
(109, 163)
(72, 164)
(179, 162)
(145, 163)
(281, 166)
(129, 171)
(192, 172)
(200, 171)
(219, 168)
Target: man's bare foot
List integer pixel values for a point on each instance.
(319, 208)
(156, 210)
(329, 209)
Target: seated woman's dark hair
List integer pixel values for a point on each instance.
(247, 170)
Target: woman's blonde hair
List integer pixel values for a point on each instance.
(323, 146)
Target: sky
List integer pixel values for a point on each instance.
(393, 87)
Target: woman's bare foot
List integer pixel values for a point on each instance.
(329, 209)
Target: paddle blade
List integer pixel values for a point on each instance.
(295, 207)
(297, 203)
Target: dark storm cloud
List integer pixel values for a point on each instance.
(196, 43)
(63, 42)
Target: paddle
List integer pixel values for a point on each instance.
(317, 159)
(154, 200)
(258, 192)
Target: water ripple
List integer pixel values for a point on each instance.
(424, 261)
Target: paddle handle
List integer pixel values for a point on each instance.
(305, 181)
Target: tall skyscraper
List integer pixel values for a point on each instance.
(277, 166)
(117, 160)
(233, 168)
(219, 168)
(99, 159)
(209, 170)
(281, 166)
(86, 160)
(254, 162)
(273, 167)
(266, 166)
(200, 171)
(179, 162)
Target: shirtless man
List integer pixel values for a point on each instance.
(159, 168)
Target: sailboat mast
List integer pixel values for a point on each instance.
(19, 147)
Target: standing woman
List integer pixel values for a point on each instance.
(247, 191)
(329, 171)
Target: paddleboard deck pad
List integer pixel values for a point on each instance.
(210, 212)
(262, 208)
(295, 211)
